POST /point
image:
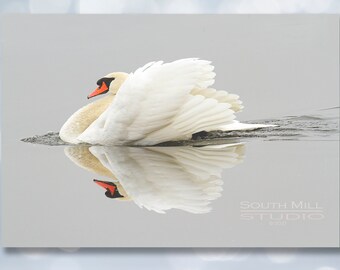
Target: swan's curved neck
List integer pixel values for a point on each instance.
(83, 118)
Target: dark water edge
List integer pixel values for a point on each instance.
(323, 125)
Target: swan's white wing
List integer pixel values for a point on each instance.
(162, 178)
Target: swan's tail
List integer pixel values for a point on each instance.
(236, 125)
(197, 114)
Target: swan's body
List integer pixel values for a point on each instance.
(157, 103)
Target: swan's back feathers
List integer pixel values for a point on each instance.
(220, 96)
(197, 114)
(161, 102)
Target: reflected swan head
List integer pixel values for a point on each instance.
(110, 187)
(109, 84)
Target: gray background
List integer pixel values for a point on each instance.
(277, 66)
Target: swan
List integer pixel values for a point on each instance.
(160, 178)
(158, 102)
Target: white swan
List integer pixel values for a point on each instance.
(160, 178)
(158, 102)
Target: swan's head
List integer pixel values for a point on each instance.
(109, 84)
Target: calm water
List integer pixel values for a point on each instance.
(221, 189)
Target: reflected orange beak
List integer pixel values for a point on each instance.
(111, 187)
(99, 90)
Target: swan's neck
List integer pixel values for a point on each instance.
(83, 118)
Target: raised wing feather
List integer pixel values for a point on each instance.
(221, 96)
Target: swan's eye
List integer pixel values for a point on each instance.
(106, 80)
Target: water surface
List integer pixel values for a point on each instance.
(271, 187)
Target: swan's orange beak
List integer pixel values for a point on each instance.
(99, 90)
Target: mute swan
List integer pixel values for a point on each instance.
(158, 102)
(160, 178)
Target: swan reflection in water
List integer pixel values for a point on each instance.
(160, 178)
